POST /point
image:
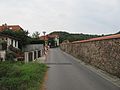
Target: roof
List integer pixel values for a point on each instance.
(52, 36)
(11, 27)
(100, 38)
(48, 36)
(44, 38)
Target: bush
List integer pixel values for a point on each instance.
(10, 56)
(19, 76)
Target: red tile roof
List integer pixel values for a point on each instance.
(52, 36)
(48, 36)
(11, 27)
(44, 38)
(100, 38)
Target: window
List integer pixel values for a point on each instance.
(10, 28)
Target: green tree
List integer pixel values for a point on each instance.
(72, 37)
(36, 34)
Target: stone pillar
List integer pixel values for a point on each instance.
(33, 56)
(26, 57)
(16, 44)
(36, 54)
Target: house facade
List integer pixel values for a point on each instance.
(9, 40)
(31, 52)
(10, 45)
(5, 42)
(52, 40)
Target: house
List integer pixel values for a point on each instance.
(9, 45)
(33, 52)
(52, 40)
(10, 27)
(11, 42)
(6, 42)
(30, 52)
(55, 38)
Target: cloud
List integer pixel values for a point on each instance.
(86, 16)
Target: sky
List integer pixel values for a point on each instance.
(74, 16)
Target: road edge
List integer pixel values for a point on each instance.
(113, 79)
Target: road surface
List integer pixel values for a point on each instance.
(67, 74)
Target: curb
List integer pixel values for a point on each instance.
(113, 79)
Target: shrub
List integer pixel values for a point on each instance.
(20, 76)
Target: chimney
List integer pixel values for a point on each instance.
(5, 26)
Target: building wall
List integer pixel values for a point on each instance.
(12, 42)
(33, 51)
(104, 54)
(8, 42)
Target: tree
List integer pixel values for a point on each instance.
(118, 32)
(36, 41)
(72, 37)
(36, 34)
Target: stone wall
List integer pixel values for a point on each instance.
(103, 54)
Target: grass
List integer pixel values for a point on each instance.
(20, 76)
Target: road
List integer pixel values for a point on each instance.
(67, 74)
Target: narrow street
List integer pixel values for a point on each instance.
(67, 74)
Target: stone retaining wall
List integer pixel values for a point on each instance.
(104, 54)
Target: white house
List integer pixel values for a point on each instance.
(9, 41)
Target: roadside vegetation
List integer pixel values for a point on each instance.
(20, 76)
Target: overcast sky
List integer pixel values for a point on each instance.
(78, 16)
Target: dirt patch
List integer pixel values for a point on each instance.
(43, 87)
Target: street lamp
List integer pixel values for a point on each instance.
(44, 43)
(44, 36)
(44, 33)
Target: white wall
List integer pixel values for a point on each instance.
(9, 42)
(57, 41)
(16, 44)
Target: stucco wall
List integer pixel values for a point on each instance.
(104, 54)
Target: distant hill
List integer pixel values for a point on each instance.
(73, 37)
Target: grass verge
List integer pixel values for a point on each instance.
(20, 76)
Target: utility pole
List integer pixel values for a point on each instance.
(44, 42)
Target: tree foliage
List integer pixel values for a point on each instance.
(118, 32)
(36, 34)
(73, 37)
(36, 41)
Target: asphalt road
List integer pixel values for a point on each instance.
(67, 74)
